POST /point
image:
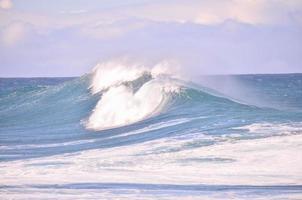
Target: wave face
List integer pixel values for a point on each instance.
(133, 131)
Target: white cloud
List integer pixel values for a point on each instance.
(112, 29)
(13, 33)
(217, 11)
(6, 4)
(73, 12)
(267, 12)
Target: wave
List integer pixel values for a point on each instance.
(120, 93)
(130, 92)
(115, 94)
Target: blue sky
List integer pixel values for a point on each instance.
(47, 38)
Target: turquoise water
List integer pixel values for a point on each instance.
(207, 141)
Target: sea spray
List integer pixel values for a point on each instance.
(120, 103)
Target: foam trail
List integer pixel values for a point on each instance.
(121, 104)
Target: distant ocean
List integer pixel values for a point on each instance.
(145, 135)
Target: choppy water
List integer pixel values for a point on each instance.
(56, 139)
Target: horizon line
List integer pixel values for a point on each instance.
(239, 74)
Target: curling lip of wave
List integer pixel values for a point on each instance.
(114, 73)
(120, 103)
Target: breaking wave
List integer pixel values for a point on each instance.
(130, 92)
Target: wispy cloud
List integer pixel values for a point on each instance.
(217, 11)
(6, 4)
(13, 33)
(73, 12)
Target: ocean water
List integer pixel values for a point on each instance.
(137, 134)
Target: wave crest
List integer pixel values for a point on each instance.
(130, 93)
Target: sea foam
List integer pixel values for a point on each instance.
(121, 103)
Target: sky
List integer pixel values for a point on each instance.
(40, 38)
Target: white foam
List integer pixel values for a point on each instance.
(266, 161)
(273, 128)
(117, 72)
(113, 73)
(120, 105)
